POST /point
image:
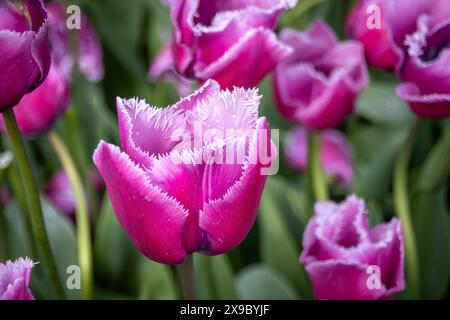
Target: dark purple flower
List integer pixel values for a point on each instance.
(346, 259)
(231, 42)
(317, 85)
(24, 49)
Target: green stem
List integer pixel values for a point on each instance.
(16, 187)
(82, 215)
(187, 273)
(403, 211)
(34, 202)
(318, 179)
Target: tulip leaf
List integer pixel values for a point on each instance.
(437, 165)
(154, 281)
(113, 250)
(279, 249)
(380, 104)
(260, 282)
(376, 148)
(62, 239)
(214, 277)
(430, 213)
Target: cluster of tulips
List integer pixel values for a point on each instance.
(169, 198)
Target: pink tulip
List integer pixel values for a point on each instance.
(163, 68)
(320, 81)
(413, 41)
(426, 72)
(24, 50)
(15, 280)
(89, 46)
(174, 187)
(38, 111)
(335, 157)
(60, 194)
(231, 42)
(346, 259)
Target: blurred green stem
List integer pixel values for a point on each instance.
(82, 215)
(318, 181)
(403, 211)
(187, 274)
(33, 201)
(16, 187)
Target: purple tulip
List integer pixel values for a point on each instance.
(335, 156)
(90, 55)
(163, 68)
(15, 280)
(60, 194)
(231, 42)
(24, 50)
(426, 72)
(189, 177)
(38, 111)
(346, 259)
(319, 82)
(415, 44)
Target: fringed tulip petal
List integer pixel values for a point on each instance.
(153, 220)
(346, 259)
(15, 280)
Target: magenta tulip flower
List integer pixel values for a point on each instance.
(335, 156)
(346, 259)
(414, 44)
(189, 177)
(163, 68)
(426, 71)
(38, 111)
(60, 194)
(319, 82)
(231, 42)
(15, 280)
(24, 50)
(90, 55)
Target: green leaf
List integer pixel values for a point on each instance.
(62, 241)
(279, 249)
(430, 215)
(120, 26)
(260, 282)
(437, 165)
(376, 148)
(214, 277)
(154, 281)
(380, 104)
(113, 251)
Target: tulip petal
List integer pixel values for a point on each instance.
(238, 67)
(152, 219)
(333, 280)
(227, 220)
(425, 105)
(147, 131)
(15, 280)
